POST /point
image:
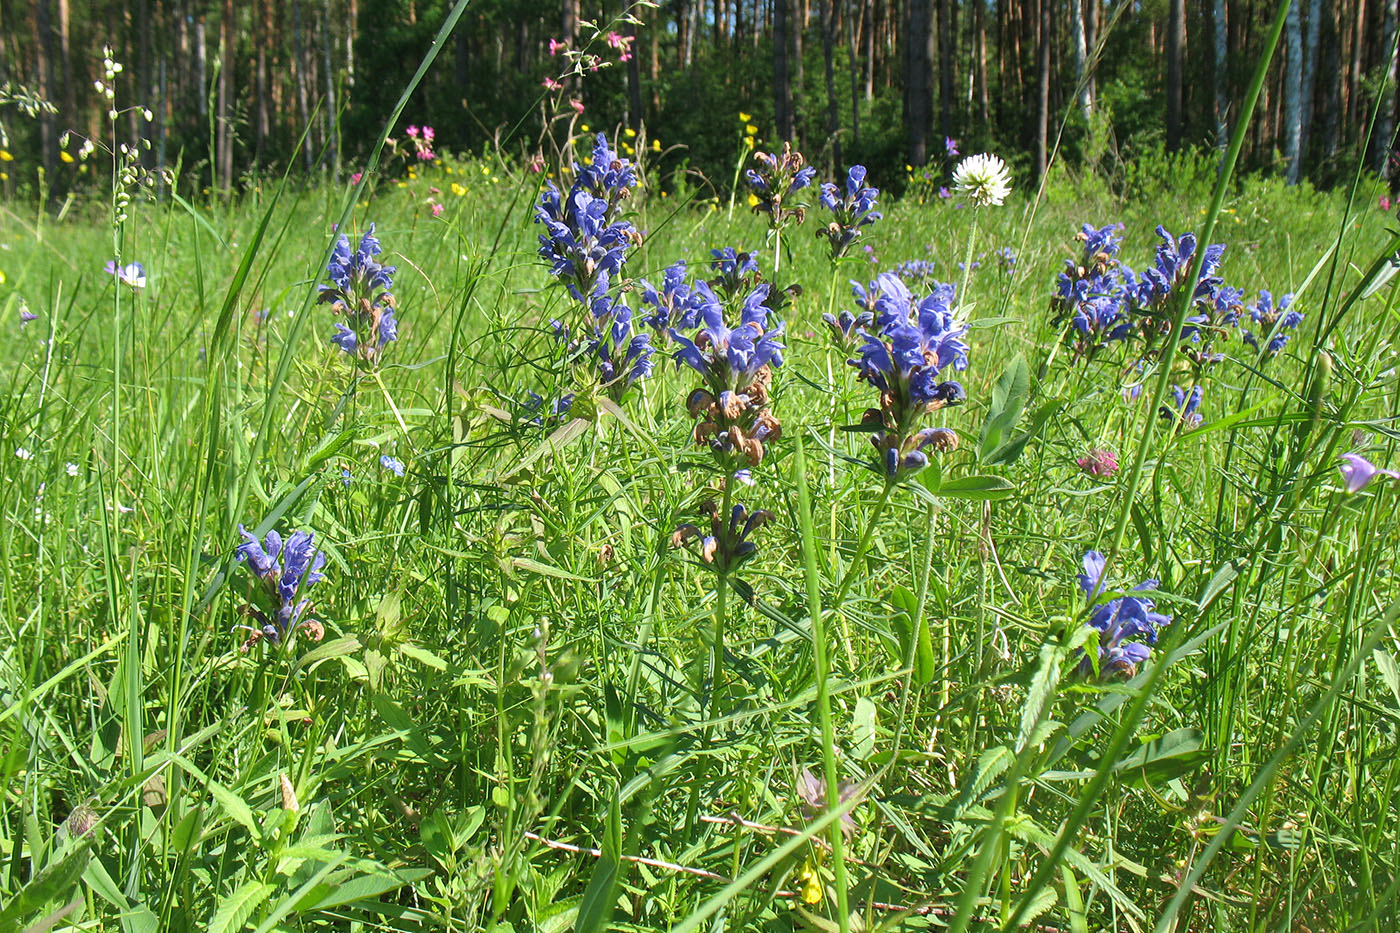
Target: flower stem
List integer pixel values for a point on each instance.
(392, 407)
(859, 557)
(721, 600)
(819, 658)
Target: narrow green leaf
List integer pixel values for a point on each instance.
(977, 487)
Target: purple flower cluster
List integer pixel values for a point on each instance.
(672, 305)
(913, 341)
(850, 212)
(727, 544)
(1104, 303)
(1127, 625)
(585, 239)
(624, 356)
(737, 366)
(776, 177)
(359, 290)
(287, 570)
(1276, 323)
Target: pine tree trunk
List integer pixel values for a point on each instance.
(1220, 26)
(979, 61)
(1176, 42)
(1042, 119)
(782, 87)
(1079, 39)
(224, 118)
(1310, 55)
(1385, 125)
(916, 80)
(832, 112)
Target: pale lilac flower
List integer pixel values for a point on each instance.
(133, 274)
(1357, 472)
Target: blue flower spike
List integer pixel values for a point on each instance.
(359, 291)
(851, 211)
(914, 341)
(737, 366)
(773, 179)
(1127, 625)
(286, 569)
(727, 543)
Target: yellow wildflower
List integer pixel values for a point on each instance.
(458, 190)
(630, 133)
(745, 117)
(809, 884)
(750, 130)
(66, 156)
(2, 276)
(583, 127)
(748, 141)
(656, 145)
(753, 199)
(5, 156)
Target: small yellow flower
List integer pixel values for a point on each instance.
(400, 184)
(2, 276)
(665, 195)
(629, 149)
(753, 199)
(5, 176)
(656, 145)
(908, 167)
(583, 127)
(809, 884)
(745, 117)
(630, 133)
(66, 157)
(748, 141)
(458, 189)
(750, 130)
(412, 175)
(5, 156)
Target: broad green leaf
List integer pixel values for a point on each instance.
(235, 908)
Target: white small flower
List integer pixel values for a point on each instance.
(71, 468)
(23, 453)
(983, 178)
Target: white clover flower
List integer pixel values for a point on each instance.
(71, 468)
(983, 178)
(24, 453)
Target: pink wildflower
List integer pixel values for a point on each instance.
(556, 47)
(426, 155)
(355, 178)
(1385, 202)
(537, 164)
(437, 209)
(428, 134)
(552, 85)
(1099, 463)
(615, 40)
(577, 105)
(412, 131)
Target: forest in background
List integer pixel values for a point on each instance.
(230, 86)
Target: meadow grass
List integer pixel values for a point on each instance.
(515, 660)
